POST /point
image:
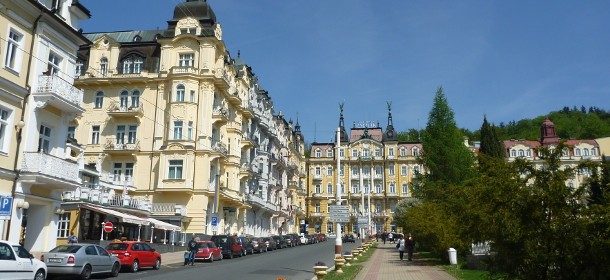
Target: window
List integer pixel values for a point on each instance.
(366, 153)
(6, 254)
(577, 151)
(521, 153)
(403, 152)
(317, 210)
(117, 170)
(120, 134)
(129, 171)
(14, 44)
(53, 65)
(341, 153)
(189, 131)
(378, 207)
(593, 153)
(124, 99)
(392, 206)
(416, 170)
(63, 225)
(186, 59)
(378, 171)
(355, 188)
(366, 172)
(95, 134)
(355, 207)
(342, 170)
(343, 188)
(132, 134)
(132, 64)
(405, 188)
(513, 153)
(103, 67)
(403, 170)
(329, 153)
(135, 99)
(367, 189)
(585, 152)
(180, 93)
(71, 131)
(192, 98)
(415, 152)
(318, 171)
(318, 188)
(44, 139)
(329, 188)
(329, 171)
(79, 68)
(99, 99)
(4, 116)
(528, 152)
(329, 227)
(392, 188)
(175, 169)
(318, 153)
(178, 130)
(378, 152)
(354, 153)
(391, 169)
(378, 189)
(355, 170)
(391, 152)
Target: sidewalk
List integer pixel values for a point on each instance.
(172, 258)
(385, 264)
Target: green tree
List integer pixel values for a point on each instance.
(490, 144)
(446, 159)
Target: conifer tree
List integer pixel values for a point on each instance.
(490, 144)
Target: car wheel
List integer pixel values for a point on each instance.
(39, 275)
(231, 255)
(157, 264)
(86, 273)
(135, 266)
(221, 257)
(115, 269)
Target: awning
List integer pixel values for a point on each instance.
(163, 225)
(125, 218)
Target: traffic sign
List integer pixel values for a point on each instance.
(6, 205)
(344, 209)
(108, 227)
(214, 221)
(338, 219)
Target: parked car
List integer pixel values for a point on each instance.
(17, 263)
(294, 239)
(259, 245)
(134, 255)
(288, 240)
(81, 259)
(229, 245)
(207, 250)
(349, 238)
(303, 239)
(246, 243)
(281, 241)
(324, 237)
(270, 243)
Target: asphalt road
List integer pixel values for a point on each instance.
(290, 263)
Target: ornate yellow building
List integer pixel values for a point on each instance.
(376, 172)
(183, 135)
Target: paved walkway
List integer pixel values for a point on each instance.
(385, 264)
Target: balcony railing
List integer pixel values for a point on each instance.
(52, 166)
(98, 196)
(168, 209)
(113, 145)
(67, 96)
(252, 198)
(116, 109)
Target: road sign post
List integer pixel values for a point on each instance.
(6, 206)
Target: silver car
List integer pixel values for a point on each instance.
(82, 260)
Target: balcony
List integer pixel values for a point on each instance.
(114, 146)
(292, 185)
(392, 194)
(220, 148)
(168, 209)
(381, 215)
(98, 196)
(220, 115)
(118, 111)
(59, 93)
(246, 142)
(259, 201)
(116, 182)
(317, 177)
(183, 70)
(222, 78)
(50, 170)
(378, 194)
(234, 97)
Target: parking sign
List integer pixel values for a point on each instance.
(6, 205)
(214, 221)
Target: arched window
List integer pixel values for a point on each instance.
(135, 99)
(528, 152)
(415, 152)
(593, 153)
(521, 153)
(585, 152)
(577, 151)
(124, 99)
(513, 153)
(318, 153)
(132, 64)
(180, 91)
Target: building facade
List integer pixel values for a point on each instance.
(173, 122)
(38, 103)
(376, 172)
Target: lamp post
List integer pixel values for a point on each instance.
(338, 240)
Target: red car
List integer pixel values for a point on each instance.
(135, 254)
(207, 250)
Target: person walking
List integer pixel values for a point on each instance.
(72, 238)
(192, 247)
(400, 244)
(391, 238)
(410, 247)
(383, 236)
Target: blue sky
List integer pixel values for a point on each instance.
(508, 60)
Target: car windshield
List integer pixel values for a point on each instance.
(203, 245)
(66, 249)
(221, 240)
(116, 246)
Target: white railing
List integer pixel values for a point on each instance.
(99, 196)
(49, 165)
(57, 86)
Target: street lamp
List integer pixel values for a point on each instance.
(338, 240)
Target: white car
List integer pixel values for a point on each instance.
(17, 263)
(303, 239)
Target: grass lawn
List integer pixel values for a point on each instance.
(454, 270)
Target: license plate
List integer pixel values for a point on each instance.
(54, 260)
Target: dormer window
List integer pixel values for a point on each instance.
(188, 31)
(137, 38)
(186, 60)
(132, 64)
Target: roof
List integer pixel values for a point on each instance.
(357, 133)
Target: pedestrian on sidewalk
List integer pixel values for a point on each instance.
(391, 237)
(410, 247)
(400, 244)
(192, 248)
(383, 236)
